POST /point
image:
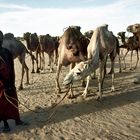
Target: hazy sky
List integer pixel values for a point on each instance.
(51, 16)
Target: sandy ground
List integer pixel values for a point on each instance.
(116, 117)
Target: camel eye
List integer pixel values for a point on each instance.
(85, 66)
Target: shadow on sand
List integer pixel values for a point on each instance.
(70, 111)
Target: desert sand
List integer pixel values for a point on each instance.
(115, 117)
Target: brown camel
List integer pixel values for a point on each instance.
(32, 42)
(102, 43)
(19, 51)
(130, 45)
(47, 45)
(89, 34)
(72, 49)
(135, 29)
(56, 40)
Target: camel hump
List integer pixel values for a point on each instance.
(78, 28)
(9, 36)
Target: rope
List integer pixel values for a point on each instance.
(53, 107)
(8, 97)
(56, 105)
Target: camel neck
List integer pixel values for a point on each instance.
(93, 64)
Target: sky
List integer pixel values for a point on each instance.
(53, 16)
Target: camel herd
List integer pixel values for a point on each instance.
(83, 52)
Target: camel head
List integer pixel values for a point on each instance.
(135, 28)
(79, 72)
(122, 36)
(71, 39)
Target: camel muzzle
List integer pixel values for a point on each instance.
(67, 80)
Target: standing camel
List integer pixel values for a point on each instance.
(19, 51)
(102, 43)
(130, 45)
(32, 42)
(47, 45)
(89, 34)
(72, 49)
(135, 29)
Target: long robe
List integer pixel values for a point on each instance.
(7, 85)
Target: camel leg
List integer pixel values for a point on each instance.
(137, 59)
(101, 76)
(120, 70)
(131, 60)
(27, 72)
(40, 60)
(51, 62)
(124, 59)
(22, 74)
(86, 88)
(43, 61)
(55, 57)
(119, 58)
(33, 71)
(93, 76)
(71, 95)
(58, 89)
(113, 75)
(37, 69)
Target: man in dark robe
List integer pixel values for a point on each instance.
(8, 96)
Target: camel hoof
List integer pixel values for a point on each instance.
(110, 72)
(112, 89)
(84, 95)
(27, 83)
(99, 98)
(120, 71)
(51, 70)
(131, 69)
(20, 88)
(71, 97)
(38, 70)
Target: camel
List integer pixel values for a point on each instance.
(135, 29)
(122, 37)
(56, 40)
(19, 51)
(72, 49)
(89, 34)
(102, 43)
(32, 42)
(130, 45)
(47, 45)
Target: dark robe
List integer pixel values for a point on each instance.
(7, 85)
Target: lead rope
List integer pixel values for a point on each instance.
(53, 107)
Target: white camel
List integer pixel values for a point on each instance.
(102, 43)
